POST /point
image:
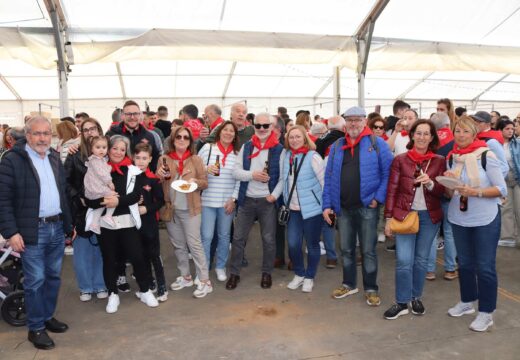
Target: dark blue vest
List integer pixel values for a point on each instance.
(274, 168)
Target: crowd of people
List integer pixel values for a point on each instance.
(402, 179)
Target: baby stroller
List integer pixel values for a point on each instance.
(11, 288)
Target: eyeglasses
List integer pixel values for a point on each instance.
(134, 114)
(259, 126)
(182, 137)
(90, 130)
(41, 133)
(382, 127)
(353, 120)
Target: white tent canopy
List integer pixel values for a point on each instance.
(224, 49)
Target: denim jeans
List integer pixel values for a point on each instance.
(88, 264)
(297, 229)
(450, 253)
(328, 233)
(353, 224)
(41, 265)
(477, 251)
(412, 252)
(211, 218)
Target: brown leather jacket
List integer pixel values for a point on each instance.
(401, 191)
(193, 169)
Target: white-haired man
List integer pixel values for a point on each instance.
(336, 126)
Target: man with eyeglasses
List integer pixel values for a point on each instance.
(355, 203)
(237, 117)
(255, 199)
(35, 217)
(132, 128)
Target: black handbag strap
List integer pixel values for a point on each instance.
(296, 172)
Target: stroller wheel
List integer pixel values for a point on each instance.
(13, 309)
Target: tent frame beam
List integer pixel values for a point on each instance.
(476, 99)
(10, 87)
(228, 81)
(417, 83)
(121, 82)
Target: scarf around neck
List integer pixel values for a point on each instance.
(351, 145)
(300, 150)
(492, 134)
(225, 151)
(467, 158)
(417, 157)
(149, 174)
(216, 123)
(117, 167)
(271, 141)
(180, 159)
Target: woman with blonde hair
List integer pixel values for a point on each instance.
(68, 135)
(301, 182)
(475, 217)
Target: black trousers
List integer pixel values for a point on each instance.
(123, 243)
(152, 254)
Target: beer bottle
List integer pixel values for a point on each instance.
(166, 169)
(463, 206)
(217, 164)
(266, 167)
(416, 174)
(332, 217)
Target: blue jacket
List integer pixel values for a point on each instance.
(514, 148)
(374, 171)
(307, 186)
(274, 168)
(20, 194)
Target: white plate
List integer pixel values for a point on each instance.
(176, 185)
(449, 182)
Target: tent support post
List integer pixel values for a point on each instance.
(336, 85)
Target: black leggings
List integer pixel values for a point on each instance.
(127, 241)
(152, 254)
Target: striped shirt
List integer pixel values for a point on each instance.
(220, 188)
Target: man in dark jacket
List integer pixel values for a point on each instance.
(336, 126)
(34, 216)
(132, 128)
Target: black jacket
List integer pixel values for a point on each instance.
(153, 199)
(138, 135)
(165, 126)
(323, 143)
(20, 194)
(75, 171)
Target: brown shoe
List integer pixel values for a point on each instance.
(266, 281)
(232, 281)
(430, 275)
(451, 275)
(279, 263)
(331, 263)
(289, 266)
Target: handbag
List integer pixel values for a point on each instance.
(166, 212)
(409, 225)
(283, 211)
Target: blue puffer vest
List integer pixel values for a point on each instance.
(307, 185)
(274, 168)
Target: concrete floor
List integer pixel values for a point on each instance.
(252, 323)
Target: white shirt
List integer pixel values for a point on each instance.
(400, 144)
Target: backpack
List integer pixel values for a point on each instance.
(483, 160)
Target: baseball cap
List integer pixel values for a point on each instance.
(481, 116)
(355, 111)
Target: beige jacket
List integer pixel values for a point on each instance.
(193, 169)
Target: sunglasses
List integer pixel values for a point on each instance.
(379, 127)
(259, 126)
(182, 137)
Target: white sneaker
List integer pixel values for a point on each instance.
(85, 296)
(163, 297)
(147, 298)
(460, 309)
(221, 274)
(113, 303)
(296, 282)
(69, 250)
(381, 238)
(322, 249)
(308, 284)
(507, 242)
(203, 289)
(196, 281)
(181, 283)
(482, 322)
(102, 294)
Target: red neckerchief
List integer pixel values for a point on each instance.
(417, 157)
(445, 136)
(149, 174)
(272, 141)
(117, 167)
(216, 123)
(300, 150)
(115, 123)
(125, 129)
(384, 137)
(150, 126)
(225, 151)
(312, 137)
(492, 134)
(348, 141)
(174, 156)
(404, 133)
(469, 149)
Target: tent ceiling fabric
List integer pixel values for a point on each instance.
(284, 48)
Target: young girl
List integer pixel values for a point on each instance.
(152, 199)
(98, 182)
